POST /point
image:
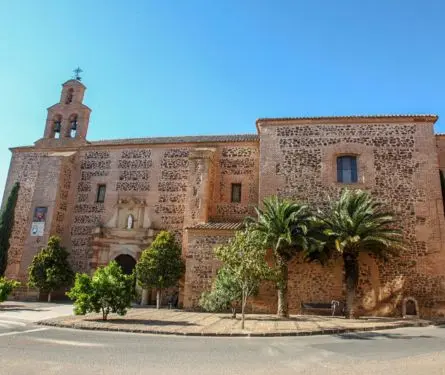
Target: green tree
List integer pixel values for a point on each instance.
(6, 224)
(244, 256)
(225, 293)
(108, 290)
(285, 226)
(357, 223)
(6, 287)
(50, 269)
(161, 265)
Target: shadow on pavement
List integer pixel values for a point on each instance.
(267, 318)
(146, 322)
(313, 318)
(378, 335)
(20, 308)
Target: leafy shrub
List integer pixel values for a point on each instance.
(50, 269)
(226, 293)
(161, 265)
(244, 267)
(6, 287)
(108, 290)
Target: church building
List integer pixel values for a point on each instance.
(108, 199)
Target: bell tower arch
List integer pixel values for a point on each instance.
(67, 121)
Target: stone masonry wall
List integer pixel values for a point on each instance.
(235, 164)
(172, 188)
(47, 188)
(201, 264)
(397, 163)
(63, 210)
(440, 145)
(159, 175)
(87, 213)
(24, 168)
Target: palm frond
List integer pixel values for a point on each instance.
(356, 222)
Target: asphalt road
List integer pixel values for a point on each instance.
(30, 349)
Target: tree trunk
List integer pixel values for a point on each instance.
(158, 298)
(283, 307)
(49, 296)
(243, 306)
(233, 312)
(144, 299)
(104, 314)
(351, 280)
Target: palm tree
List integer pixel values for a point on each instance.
(356, 223)
(284, 225)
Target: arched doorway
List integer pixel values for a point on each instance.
(410, 307)
(127, 263)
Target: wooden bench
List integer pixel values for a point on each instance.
(323, 308)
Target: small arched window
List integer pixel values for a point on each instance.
(73, 126)
(69, 96)
(130, 221)
(347, 169)
(57, 126)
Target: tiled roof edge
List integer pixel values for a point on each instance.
(217, 226)
(183, 139)
(358, 117)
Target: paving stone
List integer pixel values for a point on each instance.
(194, 323)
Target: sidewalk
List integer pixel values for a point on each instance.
(34, 311)
(178, 322)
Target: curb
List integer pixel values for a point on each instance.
(331, 331)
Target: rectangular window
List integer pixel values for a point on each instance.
(236, 193)
(347, 169)
(101, 189)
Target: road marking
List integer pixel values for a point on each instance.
(67, 342)
(20, 332)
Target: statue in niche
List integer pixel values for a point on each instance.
(130, 222)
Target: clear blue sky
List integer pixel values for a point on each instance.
(162, 67)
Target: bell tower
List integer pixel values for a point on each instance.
(67, 121)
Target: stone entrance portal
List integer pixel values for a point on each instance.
(410, 307)
(127, 263)
(124, 236)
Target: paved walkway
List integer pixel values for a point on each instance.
(34, 311)
(178, 322)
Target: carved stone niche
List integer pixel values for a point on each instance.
(130, 213)
(130, 219)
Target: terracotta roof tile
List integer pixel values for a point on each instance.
(218, 226)
(184, 139)
(358, 117)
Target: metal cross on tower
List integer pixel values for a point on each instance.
(77, 72)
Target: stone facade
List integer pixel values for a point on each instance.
(184, 184)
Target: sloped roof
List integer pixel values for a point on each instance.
(431, 117)
(218, 226)
(184, 139)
